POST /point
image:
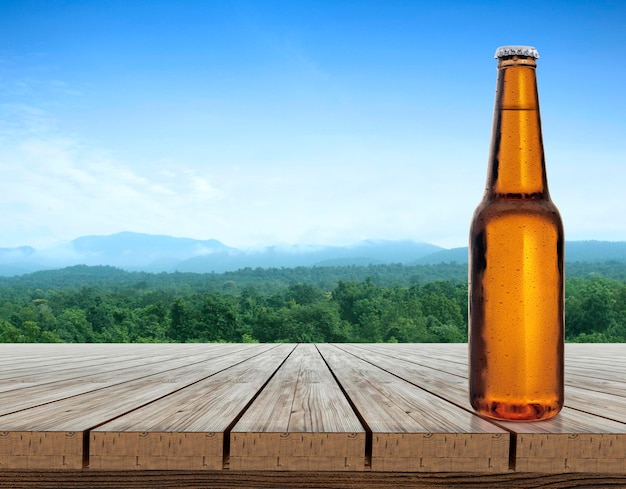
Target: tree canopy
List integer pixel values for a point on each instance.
(383, 303)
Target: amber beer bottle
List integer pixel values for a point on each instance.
(516, 319)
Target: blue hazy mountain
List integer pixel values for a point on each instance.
(289, 256)
(136, 250)
(575, 251)
(159, 253)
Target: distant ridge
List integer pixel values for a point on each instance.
(368, 252)
(575, 251)
(136, 250)
(161, 253)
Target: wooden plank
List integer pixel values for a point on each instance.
(58, 368)
(606, 355)
(586, 438)
(34, 449)
(603, 395)
(300, 421)
(20, 369)
(51, 436)
(599, 403)
(587, 361)
(45, 390)
(84, 361)
(178, 479)
(186, 429)
(595, 375)
(414, 430)
(612, 387)
(449, 386)
(568, 443)
(574, 441)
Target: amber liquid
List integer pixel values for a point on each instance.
(516, 269)
(516, 311)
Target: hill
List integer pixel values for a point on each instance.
(159, 253)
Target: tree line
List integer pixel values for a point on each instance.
(103, 304)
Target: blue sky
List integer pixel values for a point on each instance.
(297, 122)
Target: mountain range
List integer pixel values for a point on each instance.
(159, 253)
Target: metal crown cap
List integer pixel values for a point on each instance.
(529, 51)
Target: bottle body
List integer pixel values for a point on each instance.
(516, 275)
(516, 311)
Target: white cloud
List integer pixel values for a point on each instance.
(53, 190)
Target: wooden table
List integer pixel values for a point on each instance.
(274, 415)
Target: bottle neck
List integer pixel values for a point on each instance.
(517, 165)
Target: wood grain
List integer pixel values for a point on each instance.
(412, 429)
(575, 441)
(300, 415)
(175, 479)
(300, 421)
(54, 433)
(186, 429)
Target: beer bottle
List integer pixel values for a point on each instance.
(516, 294)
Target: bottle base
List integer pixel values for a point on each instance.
(505, 411)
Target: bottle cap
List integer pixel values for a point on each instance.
(529, 51)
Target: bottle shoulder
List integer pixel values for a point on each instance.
(495, 208)
(517, 201)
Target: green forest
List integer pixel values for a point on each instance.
(377, 303)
